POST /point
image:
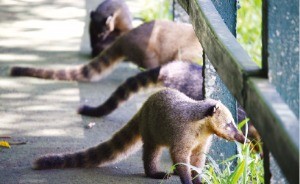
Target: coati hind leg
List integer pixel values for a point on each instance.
(151, 156)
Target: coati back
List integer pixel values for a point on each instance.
(148, 46)
(183, 76)
(168, 118)
(111, 19)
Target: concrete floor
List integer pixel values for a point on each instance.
(52, 34)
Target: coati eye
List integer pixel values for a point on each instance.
(100, 35)
(230, 123)
(228, 127)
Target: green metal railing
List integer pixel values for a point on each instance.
(249, 84)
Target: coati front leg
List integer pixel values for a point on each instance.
(198, 160)
(151, 156)
(181, 156)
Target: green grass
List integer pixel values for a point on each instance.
(244, 167)
(248, 169)
(249, 19)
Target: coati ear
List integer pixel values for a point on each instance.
(213, 109)
(92, 14)
(110, 22)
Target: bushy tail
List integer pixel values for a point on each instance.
(123, 143)
(92, 71)
(123, 92)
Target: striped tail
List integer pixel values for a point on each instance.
(121, 145)
(93, 71)
(123, 92)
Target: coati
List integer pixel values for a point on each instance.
(149, 45)
(183, 76)
(111, 19)
(100, 44)
(168, 118)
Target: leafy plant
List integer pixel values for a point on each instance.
(150, 10)
(244, 167)
(249, 20)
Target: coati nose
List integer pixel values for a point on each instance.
(240, 138)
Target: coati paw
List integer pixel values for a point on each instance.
(160, 175)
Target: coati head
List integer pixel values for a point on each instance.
(103, 25)
(222, 123)
(103, 44)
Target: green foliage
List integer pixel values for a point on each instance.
(158, 9)
(249, 19)
(249, 169)
(245, 167)
(248, 166)
(243, 123)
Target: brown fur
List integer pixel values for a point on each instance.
(149, 45)
(110, 20)
(168, 118)
(183, 76)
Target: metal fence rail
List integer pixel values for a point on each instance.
(275, 121)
